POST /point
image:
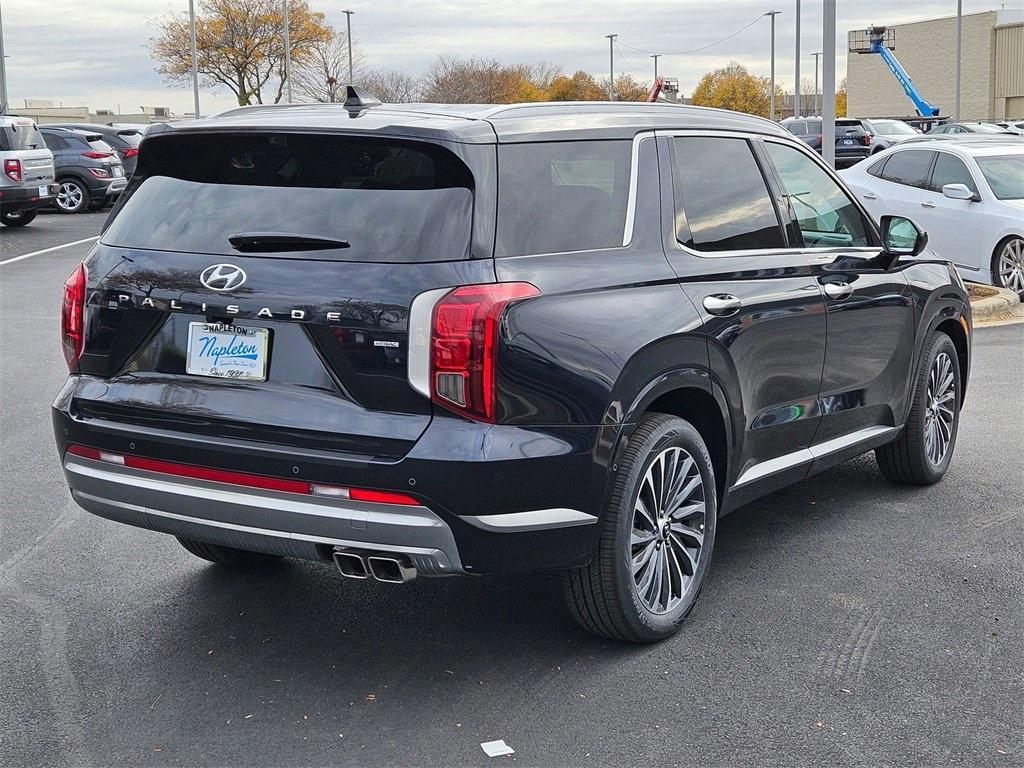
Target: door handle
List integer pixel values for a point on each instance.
(927, 205)
(838, 291)
(722, 304)
(868, 196)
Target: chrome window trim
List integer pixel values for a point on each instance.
(634, 184)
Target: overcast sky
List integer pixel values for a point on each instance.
(96, 52)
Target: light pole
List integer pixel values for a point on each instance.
(771, 107)
(611, 67)
(796, 87)
(287, 54)
(655, 57)
(817, 57)
(3, 69)
(195, 60)
(959, 53)
(348, 32)
(828, 76)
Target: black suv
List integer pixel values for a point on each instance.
(430, 340)
(853, 142)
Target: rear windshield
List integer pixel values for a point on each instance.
(389, 200)
(562, 196)
(131, 138)
(21, 135)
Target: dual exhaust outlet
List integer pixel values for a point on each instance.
(383, 566)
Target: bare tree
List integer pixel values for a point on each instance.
(453, 80)
(322, 74)
(391, 86)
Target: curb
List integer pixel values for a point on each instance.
(1005, 306)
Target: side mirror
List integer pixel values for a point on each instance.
(902, 237)
(958, 192)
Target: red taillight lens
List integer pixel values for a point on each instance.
(12, 170)
(464, 346)
(867, 139)
(97, 155)
(72, 316)
(131, 152)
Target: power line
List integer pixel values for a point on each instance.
(703, 47)
(626, 59)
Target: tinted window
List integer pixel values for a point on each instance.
(950, 169)
(877, 168)
(1005, 174)
(722, 200)
(53, 141)
(98, 145)
(20, 135)
(814, 126)
(797, 128)
(824, 213)
(562, 196)
(909, 167)
(131, 138)
(392, 201)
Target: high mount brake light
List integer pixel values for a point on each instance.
(72, 316)
(464, 329)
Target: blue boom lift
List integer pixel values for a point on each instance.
(882, 40)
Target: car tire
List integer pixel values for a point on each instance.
(17, 218)
(72, 196)
(1008, 265)
(622, 593)
(232, 558)
(921, 454)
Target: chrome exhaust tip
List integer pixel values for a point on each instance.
(350, 565)
(393, 569)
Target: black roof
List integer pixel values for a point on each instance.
(482, 123)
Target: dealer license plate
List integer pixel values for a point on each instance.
(227, 351)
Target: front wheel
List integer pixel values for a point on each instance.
(657, 536)
(1008, 265)
(17, 218)
(923, 451)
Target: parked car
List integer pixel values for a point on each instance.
(123, 139)
(549, 336)
(1013, 126)
(967, 127)
(967, 194)
(26, 184)
(89, 175)
(852, 142)
(887, 133)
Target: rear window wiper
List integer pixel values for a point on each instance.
(271, 242)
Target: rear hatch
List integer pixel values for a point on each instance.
(257, 287)
(20, 141)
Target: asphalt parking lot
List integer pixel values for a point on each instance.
(847, 621)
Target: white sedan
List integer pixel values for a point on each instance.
(968, 195)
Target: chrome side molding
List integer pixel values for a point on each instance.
(533, 520)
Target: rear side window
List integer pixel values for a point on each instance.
(53, 141)
(389, 200)
(950, 169)
(722, 200)
(131, 138)
(909, 167)
(21, 135)
(562, 196)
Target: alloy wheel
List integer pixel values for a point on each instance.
(69, 196)
(667, 537)
(938, 416)
(1011, 265)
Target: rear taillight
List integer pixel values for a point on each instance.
(100, 173)
(463, 347)
(130, 152)
(97, 155)
(72, 316)
(12, 170)
(867, 139)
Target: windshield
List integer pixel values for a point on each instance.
(987, 128)
(21, 135)
(390, 200)
(894, 128)
(1005, 174)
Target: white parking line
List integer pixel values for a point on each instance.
(47, 250)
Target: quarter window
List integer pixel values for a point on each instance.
(950, 169)
(722, 200)
(825, 214)
(909, 167)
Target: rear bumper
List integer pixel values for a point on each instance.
(25, 198)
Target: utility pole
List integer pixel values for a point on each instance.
(287, 54)
(195, 59)
(655, 57)
(348, 32)
(796, 88)
(3, 69)
(817, 104)
(959, 53)
(828, 74)
(771, 108)
(611, 67)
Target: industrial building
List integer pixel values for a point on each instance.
(992, 84)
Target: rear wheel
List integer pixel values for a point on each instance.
(923, 451)
(233, 558)
(1008, 265)
(656, 540)
(17, 218)
(72, 196)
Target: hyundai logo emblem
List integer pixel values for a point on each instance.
(222, 277)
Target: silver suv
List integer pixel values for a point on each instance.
(26, 181)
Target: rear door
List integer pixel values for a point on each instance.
(258, 286)
(763, 312)
(956, 228)
(903, 180)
